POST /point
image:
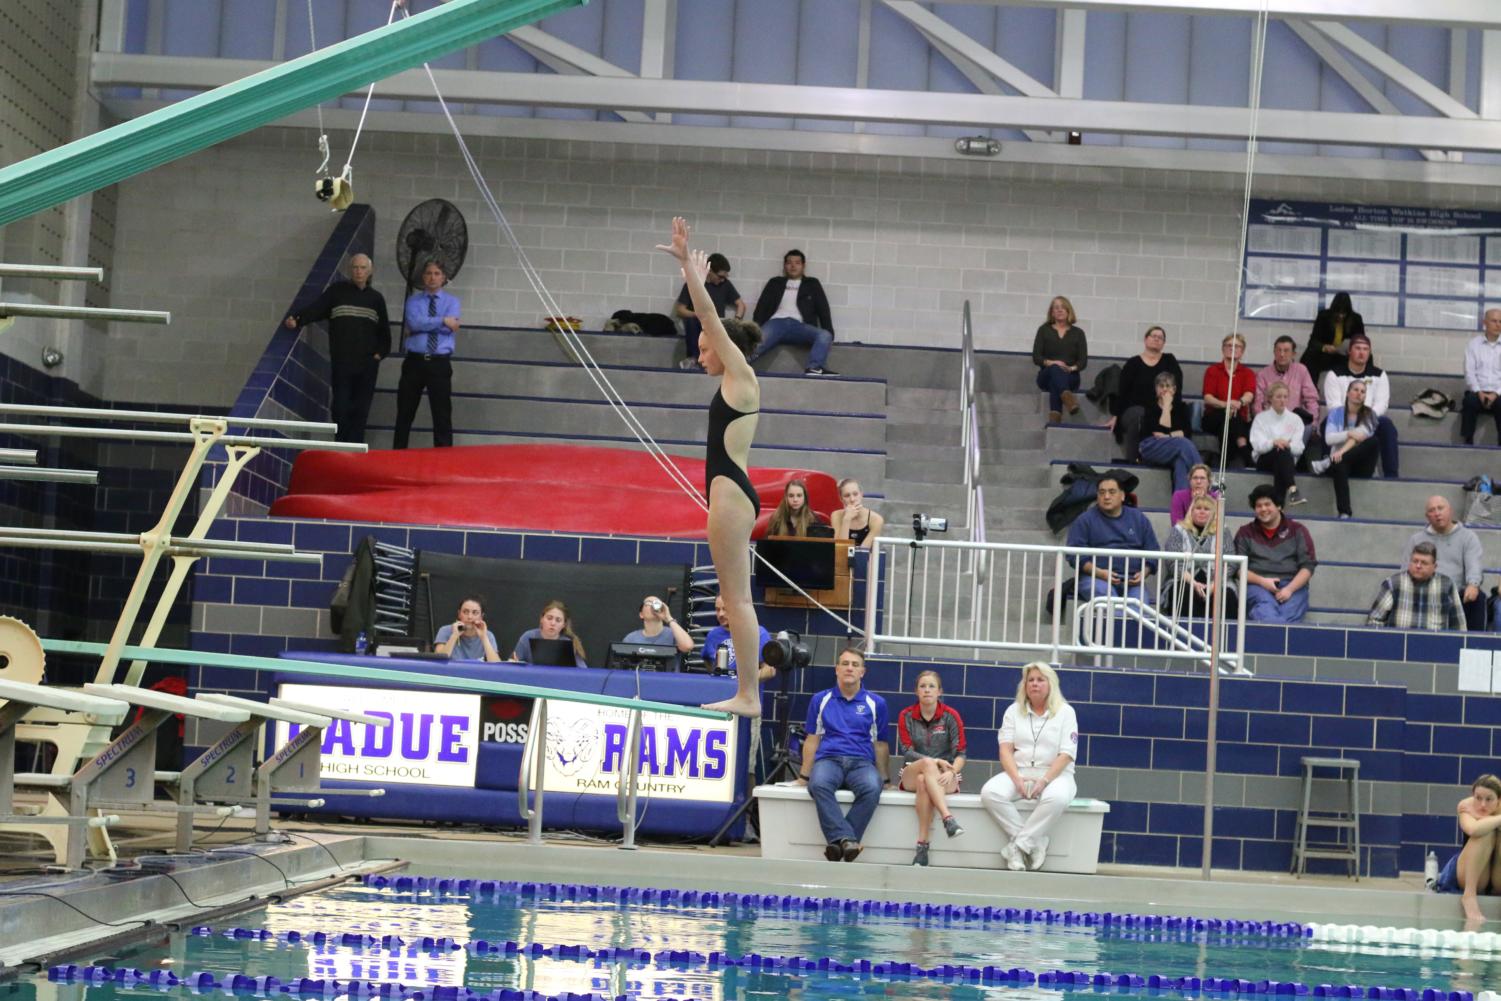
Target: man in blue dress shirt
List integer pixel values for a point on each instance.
(432, 317)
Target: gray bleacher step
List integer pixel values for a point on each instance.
(905, 433)
(868, 467)
(949, 470)
(950, 495)
(1002, 466)
(913, 367)
(923, 398)
(480, 414)
(948, 419)
(946, 452)
(554, 381)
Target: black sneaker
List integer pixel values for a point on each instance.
(951, 827)
(815, 370)
(921, 856)
(834, 851)
(852, 850)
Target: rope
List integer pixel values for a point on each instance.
(581, 351)
(312, 34)
(347, 175)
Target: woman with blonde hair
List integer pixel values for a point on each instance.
(930, 736)
(855, 521)
(1060, 351)
(793, 515)
(555, 623)
(1476, 869)
(1039, 741)
(1190, 587)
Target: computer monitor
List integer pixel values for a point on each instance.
(642, 657)
(553, 653)
(808, 564)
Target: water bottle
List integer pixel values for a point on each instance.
(722, 659)
(1430, 870)
(361, 643)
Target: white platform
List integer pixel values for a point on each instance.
(789, 830)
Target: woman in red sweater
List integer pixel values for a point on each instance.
(1222, 399)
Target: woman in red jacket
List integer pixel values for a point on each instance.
(930, 737)
(1222, 399)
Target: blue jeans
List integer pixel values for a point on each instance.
(1054, 380)
(1179, 454)
(789, 331)
(1094, 587)
(691, 329)
(860, 776)
(1262, 605)
(1386, 435)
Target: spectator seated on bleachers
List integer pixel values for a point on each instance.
(658, 627)
(724, 295)
(1165, 431)
(1111, 526)
(1351, 436)
(1190, 591)
(1333, 330)
(1359, 367)
(554, 623)
(1482, 378)
(930, 737)
(1279, 561)
(1419, 597)
(1230, 398)
(1060, 351)
(844, 749)
(855, 521)
(1277, 444)
(793, 309)
(1137, 390)
(1303, 392)
(795, 516)
(1460, 558)
(1198, 486)
(468, 638)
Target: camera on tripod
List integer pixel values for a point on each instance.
(787, 652)
(922, 524)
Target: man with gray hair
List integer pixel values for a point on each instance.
(359, 336)
(1482, 378)
(1419, 597)
(1460, 557)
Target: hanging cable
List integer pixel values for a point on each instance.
(312, 34)
(581, 351)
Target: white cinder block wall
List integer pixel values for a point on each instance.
(223, 237)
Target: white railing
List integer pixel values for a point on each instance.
(995, 597)
(969, 432)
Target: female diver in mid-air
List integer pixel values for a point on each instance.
(723, 350)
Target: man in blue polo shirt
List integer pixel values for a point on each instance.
(845, 749)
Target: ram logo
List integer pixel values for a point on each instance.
(573, 745)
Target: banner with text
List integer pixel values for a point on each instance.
(689, 759)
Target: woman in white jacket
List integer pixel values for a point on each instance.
(1277, 443)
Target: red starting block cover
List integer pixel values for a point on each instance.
(549, 488)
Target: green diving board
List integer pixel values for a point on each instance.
(350, 672)
(202, 120)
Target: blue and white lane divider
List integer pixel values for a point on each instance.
(245, 983)
(1448, 939)
(761, 903)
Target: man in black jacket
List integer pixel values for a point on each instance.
(359, 336)
(793, 310)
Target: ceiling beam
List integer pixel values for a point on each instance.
(1398, 73)
(202, 120)
(1453, 13)
(565, 57)
(1326, 50)
(852, 104)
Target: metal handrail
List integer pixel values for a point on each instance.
(533, 770)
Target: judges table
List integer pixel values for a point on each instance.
(455, 756)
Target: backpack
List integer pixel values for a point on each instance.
(1106, 387)
(647, 324)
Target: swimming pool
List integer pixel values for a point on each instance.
(662, 949)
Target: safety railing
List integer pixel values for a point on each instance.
(1003, 597)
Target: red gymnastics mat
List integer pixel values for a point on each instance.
(549, 488)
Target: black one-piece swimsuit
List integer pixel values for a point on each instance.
(717, 461)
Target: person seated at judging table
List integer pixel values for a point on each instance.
(1476, 868)
(719, 639)
(855, 521)
(658, 627)
(1189, 591)
(554, 624)
(930, 736)
(467, 637)
(845, 749)
(1277, 444)
(1039, 741)
(1198, 486)
(794, 516)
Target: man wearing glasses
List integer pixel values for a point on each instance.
(725, 295)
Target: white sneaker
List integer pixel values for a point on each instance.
(1036, 855)
(1013, 856)
(1319, 466)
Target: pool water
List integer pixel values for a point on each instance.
(843, 938)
